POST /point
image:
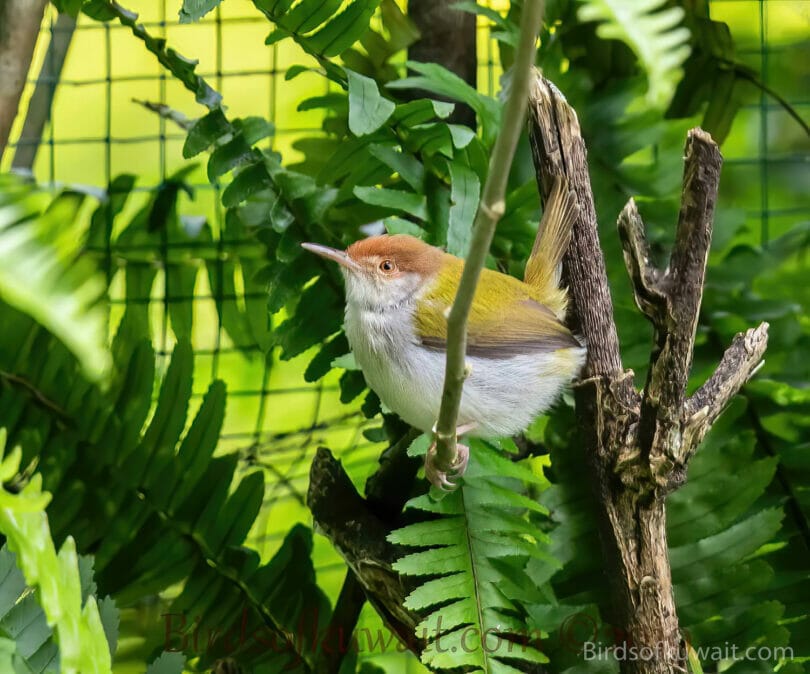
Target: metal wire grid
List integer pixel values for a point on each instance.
(262, 394)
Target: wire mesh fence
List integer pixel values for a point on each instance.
(96, 131)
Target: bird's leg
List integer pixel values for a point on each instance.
(447, 480)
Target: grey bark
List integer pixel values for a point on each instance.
(638, 444)
(39, 107)
(19, 27)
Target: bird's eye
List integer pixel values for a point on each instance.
(387, 266)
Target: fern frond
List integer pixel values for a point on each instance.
(42, 275)
(29, 645)
(317, 26)
(83, 645)
(133, 487)
(653, 32)
(481, 537)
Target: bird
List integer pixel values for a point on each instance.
(520, 355)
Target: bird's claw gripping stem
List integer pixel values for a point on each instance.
(448, 480)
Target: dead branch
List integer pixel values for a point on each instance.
(675, 322)
(739, 363)
(559, 150)
(359, 535)
(638, 445)
(646, 278)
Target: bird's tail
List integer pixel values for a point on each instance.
(543, 269)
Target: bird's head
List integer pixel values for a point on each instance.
(383, 271)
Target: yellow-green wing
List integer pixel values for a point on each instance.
(505, 319)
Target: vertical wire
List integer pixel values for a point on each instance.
(255, 448)
(51, 135)
(490, 63)
(319, 391)
(763, 126)
(108, 224)
(220, 265)
(164, 237)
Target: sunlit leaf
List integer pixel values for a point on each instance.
(41, 273)
(368, 110)
(654, 31)
(464, 196)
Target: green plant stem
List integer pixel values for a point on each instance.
(490, 211)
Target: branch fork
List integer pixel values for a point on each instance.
(646, 438)
(672, 425)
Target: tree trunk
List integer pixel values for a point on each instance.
(447, 37)
(19, 27)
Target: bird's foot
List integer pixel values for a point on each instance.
(446, 480)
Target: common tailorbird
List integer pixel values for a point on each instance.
(520, 355)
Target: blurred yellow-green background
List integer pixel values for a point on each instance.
(98, 131)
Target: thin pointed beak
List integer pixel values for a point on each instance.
(339, 256)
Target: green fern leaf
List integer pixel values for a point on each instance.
(437, 79)
(40, 274)
(59, 603)
(655, 34)
(194, 10)
(481, 537)
(180, 513)
(168, 663)
(182, 68)
(314, 25)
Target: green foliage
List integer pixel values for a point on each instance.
(777, 400)
(148, 492)
(194, 10)
(438, 80)
(180, 67)
(653, 31)
(715, 76)
(368, 111)
(317, 26)
(42, 275)
(159, 236)
(29, 641)
(464, 194)
(710, 76)
(167, 663)
(480, 542)
(130, 485)
(61, 602)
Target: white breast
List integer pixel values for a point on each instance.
(503, 396)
